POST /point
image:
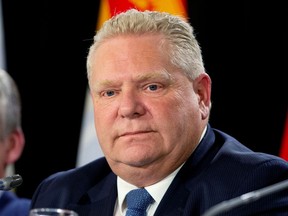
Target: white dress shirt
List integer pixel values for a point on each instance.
(157, 191)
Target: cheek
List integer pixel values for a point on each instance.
(103, 122)
(185, 102)
(183, 111)
(171, 115)
(103, 112)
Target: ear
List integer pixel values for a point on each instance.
(16, 141)
(203, 90)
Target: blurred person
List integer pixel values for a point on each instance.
(12, 142)
(152, 102)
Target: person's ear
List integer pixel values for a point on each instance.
(203, 90)
(16, 142)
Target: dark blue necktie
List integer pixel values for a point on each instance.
(137, 202)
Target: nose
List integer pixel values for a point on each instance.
(131, 105)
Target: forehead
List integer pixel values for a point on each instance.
(137, 45)
(140, 51)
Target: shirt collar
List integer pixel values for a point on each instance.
(157, 190)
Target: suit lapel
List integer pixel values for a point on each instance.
(179, 198)
(99, 200)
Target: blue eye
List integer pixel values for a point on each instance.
(153, 87)
(110, 93)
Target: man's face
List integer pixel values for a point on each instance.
(147, 113)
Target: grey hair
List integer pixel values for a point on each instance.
(10, 105)
(185, 52)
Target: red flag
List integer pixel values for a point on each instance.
(284, 144)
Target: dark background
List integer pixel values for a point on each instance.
(244, 46)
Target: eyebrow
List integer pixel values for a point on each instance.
(161, 74)
(158, 74)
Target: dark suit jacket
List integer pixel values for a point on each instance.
(11, 205)
(219, 169)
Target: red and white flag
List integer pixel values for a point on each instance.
(284, 144)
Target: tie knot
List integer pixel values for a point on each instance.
(137, 202)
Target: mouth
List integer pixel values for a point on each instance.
(134, 133)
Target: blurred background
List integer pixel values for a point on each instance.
(244, 46)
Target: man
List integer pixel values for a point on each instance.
(152, 100)
(11, 143)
